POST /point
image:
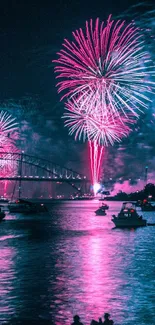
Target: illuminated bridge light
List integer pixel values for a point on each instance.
(61, 174)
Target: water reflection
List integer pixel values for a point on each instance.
(74, 262)
(7, 278)
(93, 277)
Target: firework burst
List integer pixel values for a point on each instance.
(106, 74)
(8, 128)
(8, 135)
(7, 123)
(89, 120)
(108, 58)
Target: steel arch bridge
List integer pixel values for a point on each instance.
(24, 167)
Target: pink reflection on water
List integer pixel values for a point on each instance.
(7, 276)
(103, 275)
(96, 278)
(94, 268)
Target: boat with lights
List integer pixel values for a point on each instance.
(128, 217)
(24, 206)
(147, 206)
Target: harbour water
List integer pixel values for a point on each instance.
(71, 261)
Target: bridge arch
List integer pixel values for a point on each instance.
(31, 168)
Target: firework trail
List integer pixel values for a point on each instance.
(96, 157)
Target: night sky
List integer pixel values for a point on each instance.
(31, 33)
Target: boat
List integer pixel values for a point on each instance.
(2, 214)
(147, 206)
(128, 217)
(3, 199)
(101, 210)
(139, 203)
(24, 206)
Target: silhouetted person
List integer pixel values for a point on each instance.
(107, 321)
(77, 320)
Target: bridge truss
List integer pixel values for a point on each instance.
(23, 167)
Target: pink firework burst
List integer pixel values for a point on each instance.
(8, 167)
(90, 120)
(108, 58)
(106, 74)
(8, 135)
(7, 123)
(8, 130)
